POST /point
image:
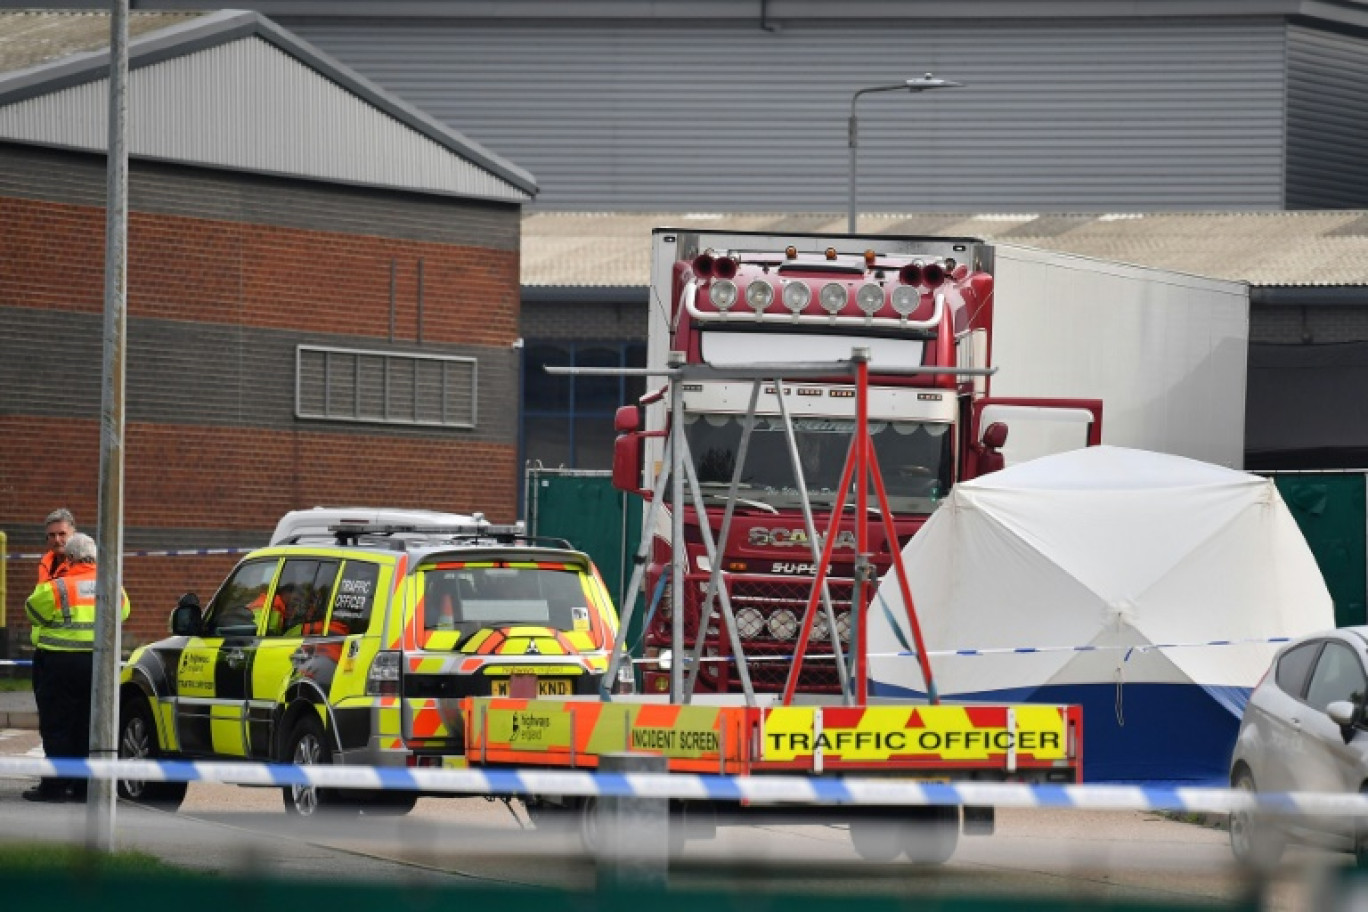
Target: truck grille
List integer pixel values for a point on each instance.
(769, 611)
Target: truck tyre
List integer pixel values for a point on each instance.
(307, 745)
(929, 835)
(138, 741)
(1253, 840)
(875, 837)
(587, 813)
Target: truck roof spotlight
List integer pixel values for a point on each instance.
(759, 295)
(723, 294)
(797, 296)
(870, 297)
(834, 297)
(906, 299)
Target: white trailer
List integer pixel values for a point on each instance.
(1165, 352)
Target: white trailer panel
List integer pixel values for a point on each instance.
(1164, 351)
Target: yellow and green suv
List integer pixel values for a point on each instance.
(359, 650)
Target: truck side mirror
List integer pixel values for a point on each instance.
(627, 419)
(186, 617)
(990, 458)
(627, 462)
(628, 450)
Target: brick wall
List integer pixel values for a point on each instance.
(153, 584)
(217, 302)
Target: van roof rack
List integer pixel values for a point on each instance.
(349, 534)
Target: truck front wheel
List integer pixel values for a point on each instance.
(929, 835)
(875, 836)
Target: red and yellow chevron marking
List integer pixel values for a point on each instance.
(939, 734)
(400, 620)
(517, 641)
(427, 720)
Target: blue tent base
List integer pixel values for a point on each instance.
(1136, 733)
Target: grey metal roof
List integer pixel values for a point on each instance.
(1312, 249)
(233, 90)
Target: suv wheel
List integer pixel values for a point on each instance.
(138, 741)
(308, 746)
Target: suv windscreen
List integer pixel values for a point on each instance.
(469, 597)
(238, 604)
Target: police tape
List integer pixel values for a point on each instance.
(185, 552)
(804, 790)
(15, 663)
(1129, 649)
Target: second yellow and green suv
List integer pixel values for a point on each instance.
(359, 650)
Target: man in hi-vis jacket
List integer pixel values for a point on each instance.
(63, 614)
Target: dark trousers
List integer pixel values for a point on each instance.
(62, 692)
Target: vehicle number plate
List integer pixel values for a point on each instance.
(546, 687)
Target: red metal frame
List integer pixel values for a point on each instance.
(861, 465)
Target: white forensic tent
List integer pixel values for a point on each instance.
(1090, 558)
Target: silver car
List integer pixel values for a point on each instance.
(1305, 730)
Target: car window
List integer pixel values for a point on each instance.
(237, 604)
(355, 596)
(299, 605)
(1338, 676)
(1294, 666)
(468, 597)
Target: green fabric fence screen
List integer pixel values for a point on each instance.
(1330, 509)
(585, 509)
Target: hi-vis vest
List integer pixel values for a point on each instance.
(63, 611)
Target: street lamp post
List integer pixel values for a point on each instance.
(920, 84)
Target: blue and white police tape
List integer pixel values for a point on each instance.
(184, 552)
(1004, 650)
(16, 663)
(803, 790)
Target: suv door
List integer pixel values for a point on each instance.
(211, 674)
(303, 594)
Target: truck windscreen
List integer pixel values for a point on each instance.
(914, 457)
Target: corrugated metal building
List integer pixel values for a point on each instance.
(322, 293)
(742, 105)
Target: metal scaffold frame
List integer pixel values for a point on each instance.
(677, 468)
